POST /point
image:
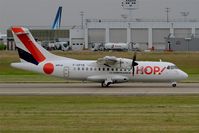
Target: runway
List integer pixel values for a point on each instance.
(95, 89)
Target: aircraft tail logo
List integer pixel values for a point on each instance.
(29, 50)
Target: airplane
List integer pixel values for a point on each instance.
(107, 70)
(57, 21)
(3, 36)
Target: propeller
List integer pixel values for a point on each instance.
(134, 63)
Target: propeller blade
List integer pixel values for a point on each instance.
(134, 56)
(134, 63)
(133, 71)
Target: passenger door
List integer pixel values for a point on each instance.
(66, 71)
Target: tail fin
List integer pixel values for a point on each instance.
(57, 21)
(29, 50)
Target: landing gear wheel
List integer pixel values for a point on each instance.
(174, 84)
(105, 85)
(108, 84)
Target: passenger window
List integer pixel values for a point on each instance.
(108, 69)
(95, 69)
(91, 69)
(87, 69)
(103, 69)
(82, 69)
(78, 68)
(99, 69)
(112, 69)
(116, 69)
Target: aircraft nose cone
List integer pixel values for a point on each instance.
(184, 75)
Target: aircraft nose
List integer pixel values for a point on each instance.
(183, 75)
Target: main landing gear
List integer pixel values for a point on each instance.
(105, 85)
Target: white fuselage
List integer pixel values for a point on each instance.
(122, 72)
(107, 70)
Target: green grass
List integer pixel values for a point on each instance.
(188, 62)
(96, 114)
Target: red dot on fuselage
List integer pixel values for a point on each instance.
(48, 68)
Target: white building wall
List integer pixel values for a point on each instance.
(118, 35)
(77, 41)
(96, 35)
(197, 32)
(140, 36)
(146, 33)
(159, 36)
(182, 32)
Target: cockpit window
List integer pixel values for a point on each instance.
(172, 67)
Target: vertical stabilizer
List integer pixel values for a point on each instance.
(29, 50)
(57, 21)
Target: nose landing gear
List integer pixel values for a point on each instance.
(174, 84)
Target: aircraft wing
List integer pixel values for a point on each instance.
(108, 61)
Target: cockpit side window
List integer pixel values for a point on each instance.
(172, 67)
(168, 67)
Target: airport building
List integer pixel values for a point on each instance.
(148, 33)
(178, 35)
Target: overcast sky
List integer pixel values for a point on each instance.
(42, 12)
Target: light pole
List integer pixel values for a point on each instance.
(82, 19)
(130, 5)
(188, 40)
(167, 11)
